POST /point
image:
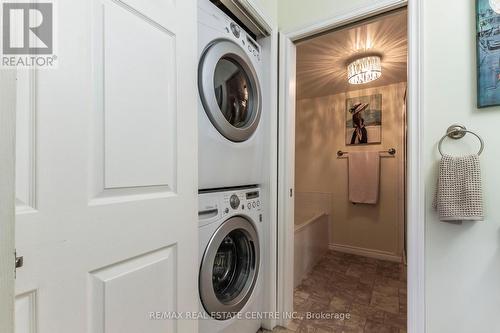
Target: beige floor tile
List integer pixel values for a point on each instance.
(385, 303)
(372, 292)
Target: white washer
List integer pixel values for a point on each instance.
(230, 276)
(230, 102)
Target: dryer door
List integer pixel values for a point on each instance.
(229, 268)
(230, 90)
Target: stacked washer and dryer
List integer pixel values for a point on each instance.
(230, 156)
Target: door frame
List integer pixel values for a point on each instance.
(415, 180)
(7, 197)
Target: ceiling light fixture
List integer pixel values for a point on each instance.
(364, 70)
(495, 5)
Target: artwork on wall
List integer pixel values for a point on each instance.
(364, 120)
(488, 52)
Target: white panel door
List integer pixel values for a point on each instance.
(107, 179)
(7, 199)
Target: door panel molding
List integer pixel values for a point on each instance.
(27, 312)
(26, 133)
(134, 156)
(135, 287)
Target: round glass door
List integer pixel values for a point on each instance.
(229, 268)
(229, 90)
(233, 92)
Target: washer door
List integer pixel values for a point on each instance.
(229, 268)
(229, 90)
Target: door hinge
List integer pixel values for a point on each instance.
(291, 192)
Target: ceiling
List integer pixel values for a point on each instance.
(322, 60)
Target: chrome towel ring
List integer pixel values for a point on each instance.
(457, 132)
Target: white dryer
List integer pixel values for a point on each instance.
(230, 104)
(230, 276)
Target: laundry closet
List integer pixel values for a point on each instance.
(234, 116)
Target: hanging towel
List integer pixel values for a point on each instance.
(459, 195)
(364, 177)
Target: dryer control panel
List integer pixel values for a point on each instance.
(247, 42)
(214, 18)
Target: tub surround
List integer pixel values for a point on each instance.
(312, 229)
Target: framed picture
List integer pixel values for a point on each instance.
(364, 120)
(488, 52)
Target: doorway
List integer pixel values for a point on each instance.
(292, 189)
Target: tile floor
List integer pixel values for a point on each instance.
(371, 291)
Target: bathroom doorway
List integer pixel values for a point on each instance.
(348, 177)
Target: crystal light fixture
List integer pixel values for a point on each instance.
(495, 5)
(364, 70)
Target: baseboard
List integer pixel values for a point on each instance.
(381, 255)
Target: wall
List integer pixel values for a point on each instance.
(320, 132)
(269, 7)
(462, 261)
(293, 14)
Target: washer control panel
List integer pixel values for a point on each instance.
(214, 206)
(242, 201)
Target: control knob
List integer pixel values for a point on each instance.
(235, 29)
(234, 201)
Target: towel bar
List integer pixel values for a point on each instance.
(457, 132)
(391, 151)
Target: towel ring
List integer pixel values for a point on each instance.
(457, 132)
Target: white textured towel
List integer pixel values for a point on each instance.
(364, 177)
(459, 195)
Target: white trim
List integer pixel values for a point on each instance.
(272, 189)
(376, 254)
(286, 171)
(415, 183)
(7, 197)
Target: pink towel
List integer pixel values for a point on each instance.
(364, 177)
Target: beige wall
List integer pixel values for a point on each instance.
(293, 14)
(462, 261)
(320, 132)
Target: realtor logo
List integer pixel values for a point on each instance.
(28, 34)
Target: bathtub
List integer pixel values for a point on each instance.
(312, 230)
